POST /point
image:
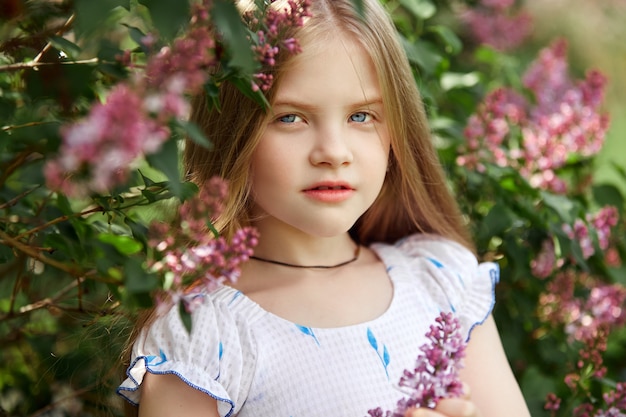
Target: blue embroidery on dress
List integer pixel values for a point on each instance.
(384, 358)
(390, 267)
(435, 262)
(309, 332)
(460, 280)
(221, 351)
(151, 358)
(235, 296)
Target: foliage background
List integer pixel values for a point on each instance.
(62, 331)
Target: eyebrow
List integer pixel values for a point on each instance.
(306, 106)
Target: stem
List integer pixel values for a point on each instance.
(60, 32)
(29, 124)
(32, 64)
(15, 164)
(17, 198)
(38, 256)
(58, 220)
(46, 302)
(51, 407)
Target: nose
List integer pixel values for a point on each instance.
(331, 147)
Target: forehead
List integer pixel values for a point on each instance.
(332, 67)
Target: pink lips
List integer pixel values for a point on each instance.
(329, 192)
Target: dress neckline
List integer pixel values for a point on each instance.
(387, 253)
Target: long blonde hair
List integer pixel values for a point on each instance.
(415, 197)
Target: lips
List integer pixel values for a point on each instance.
(329, 186)
(329, 192)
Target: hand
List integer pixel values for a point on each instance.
(450, 407)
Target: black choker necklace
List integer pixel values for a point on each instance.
(356, 256)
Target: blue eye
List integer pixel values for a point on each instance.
(360, 117)
(288, 118)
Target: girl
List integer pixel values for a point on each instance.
(361, 246)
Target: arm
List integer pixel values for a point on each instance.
(167, 396)
(492, 386)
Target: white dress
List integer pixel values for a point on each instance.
(258, 364)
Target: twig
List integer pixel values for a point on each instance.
(58, 220)
(33, 64)
(36, 255)
(61, 31)
(46, 302)
(50, 407)
(14, 164)
(29, 124)
(17, 198)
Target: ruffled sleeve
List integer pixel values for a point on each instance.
(198, 358)
(463, 286)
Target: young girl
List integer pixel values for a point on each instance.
(361, 246)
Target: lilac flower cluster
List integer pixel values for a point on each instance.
(587, 321)
(271, 38)
(436, 372)
(99, 151)
(582, 319)
(495, 23)
(582, 232)
(538, 135)
(614, 404)
(187, 252)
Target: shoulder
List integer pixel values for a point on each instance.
(213, 355)
(448, 272)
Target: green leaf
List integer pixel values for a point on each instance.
(451, 80)
(136, 34)
(608, 195)
(452, 43)
(168, 17)
(496, 222)
(563, 206)
(69, 48)
(167, 161)
(91, 14)
(245, 86)
(137, 280)
(228, 21)
(422, 53)
(423, 9)
(194, 133)
(126, 245)
(185, 317)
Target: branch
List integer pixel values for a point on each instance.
(7, 128)
(38, 256)
(58, 220)
(34, 64)
(60, 32)
(17, 198)
(46, 302)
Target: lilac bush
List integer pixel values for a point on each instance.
(93, 99)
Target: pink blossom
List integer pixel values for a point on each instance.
(187, 251)
(538, 136)
(101, 148)
(545, 262)
(436, 372)
(494, 23)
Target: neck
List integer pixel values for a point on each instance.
(290, 265)
(306, 251)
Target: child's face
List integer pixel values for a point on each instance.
(322, 159)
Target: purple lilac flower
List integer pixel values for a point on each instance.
(436, 372)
